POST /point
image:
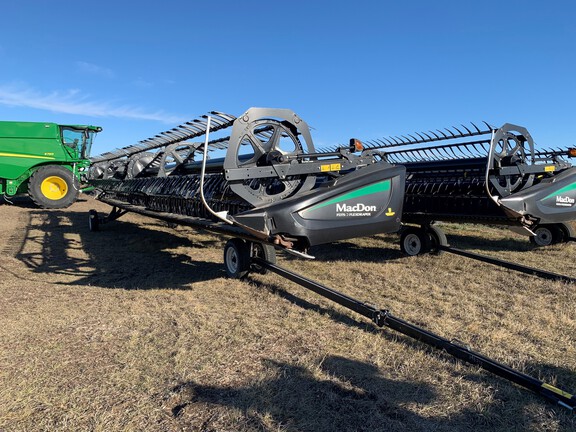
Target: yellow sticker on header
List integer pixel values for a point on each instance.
(549, 168)
(331, 167)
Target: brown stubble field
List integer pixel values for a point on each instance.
(136, 328)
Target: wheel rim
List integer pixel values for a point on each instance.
(232, 260)
(543, 237)
(412, 244)
(54, 188)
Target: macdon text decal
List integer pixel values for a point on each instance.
(564, 201)
(359, 209)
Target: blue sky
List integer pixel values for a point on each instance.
(364, 69)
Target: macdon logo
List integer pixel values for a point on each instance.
(564, 201)
(360, 207)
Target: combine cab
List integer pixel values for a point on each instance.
(490, 176)
(45, 160)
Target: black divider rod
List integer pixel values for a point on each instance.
(383, 317)
(509, 265)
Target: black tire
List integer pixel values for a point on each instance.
(414, 241)
(546, 235)
(236, 258)
(264, 251)
(567, 231)
(93, 221)
(437, 238)
(53, 187)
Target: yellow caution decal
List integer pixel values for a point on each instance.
(557, 391)
(549, 168)
(390, 212)
(331, 167)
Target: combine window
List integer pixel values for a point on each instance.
(89, 134)
(80, 140)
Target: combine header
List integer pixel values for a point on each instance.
(271, 184)
(484, 175)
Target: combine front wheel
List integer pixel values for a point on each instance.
(53, 187)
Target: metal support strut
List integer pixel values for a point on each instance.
(509, 265)
(383, 317)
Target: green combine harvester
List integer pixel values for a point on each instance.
(45, 160)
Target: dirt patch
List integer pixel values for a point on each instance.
(137, 328)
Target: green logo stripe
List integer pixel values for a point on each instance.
(565, 189)
(366, 190)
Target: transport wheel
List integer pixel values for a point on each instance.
(437, 238)
(93, 221)
(236, 258)
(414, 241)
(546, 235)
(567, 231)
(264, 251)
(53, 187)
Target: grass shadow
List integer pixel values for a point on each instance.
(355, 251)
(350, 395)
(344, 394)
(123, 255)
(465, 241)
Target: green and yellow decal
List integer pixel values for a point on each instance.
(26, 156)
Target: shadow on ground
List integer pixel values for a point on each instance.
(352, 396)
(349, 251)
(465, 241)
(122, 255)
(345, 395)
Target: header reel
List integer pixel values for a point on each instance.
(482, 174)
(266, 184)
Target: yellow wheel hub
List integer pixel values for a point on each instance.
(54, 187)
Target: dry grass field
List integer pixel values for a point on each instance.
(136, 328)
